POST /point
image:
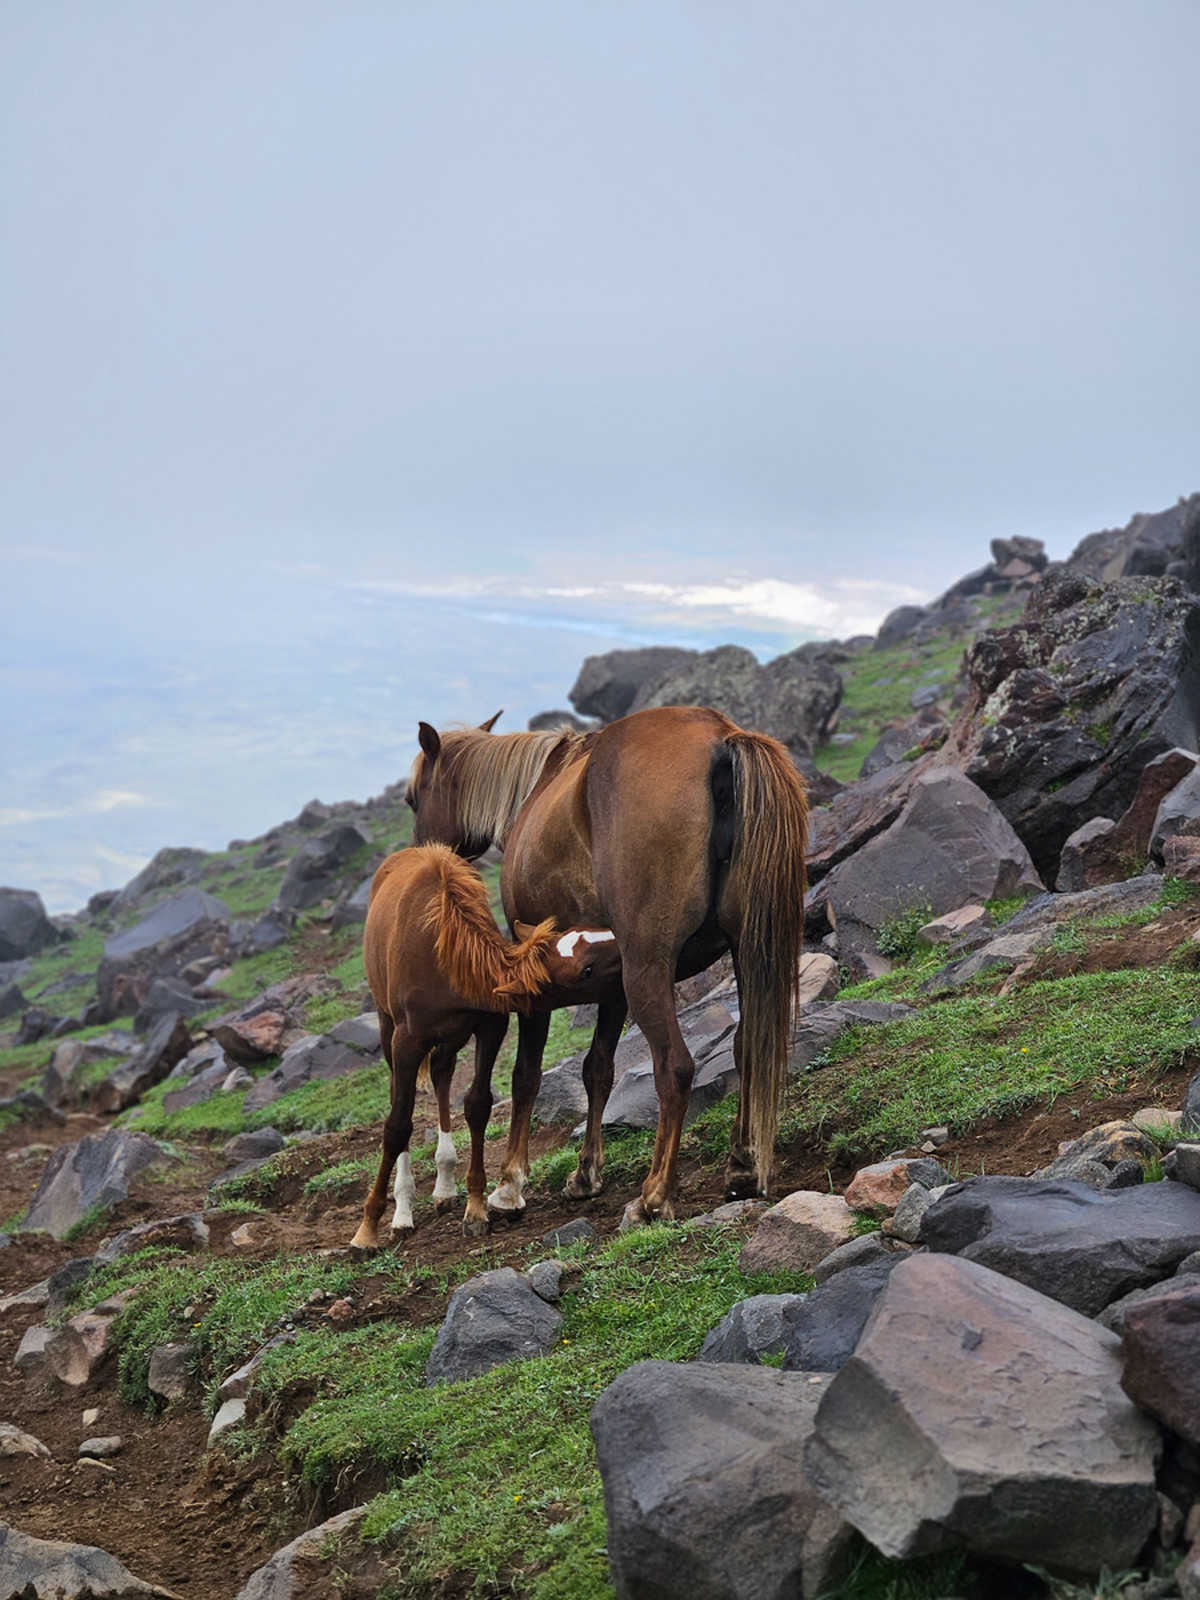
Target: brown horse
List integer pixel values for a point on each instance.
(686, 835)
(440, 971)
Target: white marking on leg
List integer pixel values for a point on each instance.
(509, 1195)
(447, 1159)
(405, 1192)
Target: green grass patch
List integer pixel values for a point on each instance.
(343, 1175)
(971, 1057)
(899, 937)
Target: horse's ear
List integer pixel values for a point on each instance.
(524, 930)
(430, 741)
(486, 727)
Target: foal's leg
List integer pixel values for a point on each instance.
(588, 1179)
(507, 1200)
(652, 1003)
(445, 1189)
(477, 1106)
(407, 1054)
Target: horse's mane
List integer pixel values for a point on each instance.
(496, 773)
(471, 951)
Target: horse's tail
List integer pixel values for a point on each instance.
(424, 1077)
(767, 872)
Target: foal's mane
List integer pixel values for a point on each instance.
(496, 773)
(471, 951)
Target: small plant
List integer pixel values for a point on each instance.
(899, 936)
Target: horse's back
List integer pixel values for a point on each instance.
(398, 947)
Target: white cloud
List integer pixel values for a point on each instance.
(102, 800)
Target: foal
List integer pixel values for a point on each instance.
(441, 972)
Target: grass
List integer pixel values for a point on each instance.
(972, 1057)
(900, 936)
(495, 1484)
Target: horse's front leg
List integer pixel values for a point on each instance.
(507, 1200)
(441, 1070)
(652, 1003)
(588, 1177)
(477, 1107)
(407, 1053)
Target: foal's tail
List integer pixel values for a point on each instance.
(767, 872)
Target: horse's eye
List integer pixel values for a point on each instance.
(588, 970)
(410, 798)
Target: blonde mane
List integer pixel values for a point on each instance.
(496, 773)
(471, 951)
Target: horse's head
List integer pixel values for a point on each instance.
(434, 796)
(583, 958)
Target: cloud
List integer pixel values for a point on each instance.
(103, 800)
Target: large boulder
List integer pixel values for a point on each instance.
(753, 1328)
(52, 1569)
(1067, 707)
(493, 1318)
(315, 1056)
(797, 1232)
(189, 925)
(1148, 544)
(24, 926)
(704, 1485)
(171, 867)
(93, 1173)
(607, 685)
(823, 1330)
(1104, 851)
(1161, 1350)
(793, 697)
(1084, 1247)
(272, 1021)
(292, 1573)
(707, 1029)
(321, 864)
(166, 1044)
(948, 847)
(1049, 1462)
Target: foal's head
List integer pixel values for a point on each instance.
(584, 959)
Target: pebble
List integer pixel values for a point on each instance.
(98, 1449)
(91, 1416)
(242, 1236)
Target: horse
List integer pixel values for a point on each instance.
(440, 972)
(684, 834)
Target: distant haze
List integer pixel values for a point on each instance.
(363, 363)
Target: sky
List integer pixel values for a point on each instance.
(366, 362)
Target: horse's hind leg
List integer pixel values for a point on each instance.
(477, 1107)
(507, 1200)
(407, 1054)
(652, 1003)
(588, 1177)
(445, 1189)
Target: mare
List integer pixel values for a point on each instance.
(441, 972)
(684, 834)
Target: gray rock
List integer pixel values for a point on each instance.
(94, 1172)
(1178, 813)
(14, 1442)
(909, 1213)
(100, 1448)
(265, 933)
(607, 685)
(753, 1328)
(730, 1215)
(24, 926)
(63, 1282)
(257, 1143)
(493, 1318)
(237, 1385)
(188, 925)
(1160, 1344)
(352, 908)
(704, 1485)
(172, 1372)
(31, 1352)
(314, 1057)
(360, 1033)
(818, 1027)
(900, 624)
(164, 995)
(546, 1279)
(201, 1087)
(561, 1098)
(570, 1233)
(859, 1252)
(319, 865)
(229, 1414)
(172, 866)
(51, 1569)
(185, 1231)
(1113, 1316)
(1081, 1246)
(706, 1026)
(167, 1043)
(12, 1000)
(1080, 852)
(544, 721)
(823, 1330)
(1048, 1463)
(1189, 1122)
(288, 1574)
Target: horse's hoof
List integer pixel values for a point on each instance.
(402, 1233)
(364, 1247)
(444, 1204)
(475, 1227)
(579, 1187)
(507, 1216)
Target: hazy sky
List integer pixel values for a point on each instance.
(777, 312)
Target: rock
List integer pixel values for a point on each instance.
(230, 1413)
(1113, 1316)
(319, 865)
(546, 1279)
(64, 1281)
(1049, 1463)
(171, 866)
(1032, 552)
(706, 1027)
(824, 1329)
(13, 1442)
(93, 1173)
(818, 978)
(1183, 1165)
(36, 1295)
(545, 721)
(91, 1416)
(172, 1370)
(288, 1574)
(31, 1352)
(29, 1106)
(1189, 1121)
(1088, 857)
(200, 1089)
(352, 908)
(749, 1330)
(165, 995)
(899, 624)
(879, 1188)
(1077, 1245)
(265, 933)
(1158, 1123)
(903, 741)
(313, 1057)
(360, 1033)
(36, 1023)
(257, 1143)
(1181, 858)
(704, 1485)
(12, 1000)
(955, 925)
(579, 1228)
(561, 1098)
(77, 1350)
(795, 1234)
(167, 1042)
(1161, 1346)
(188, 925)
(607, 685)
(186, 1231)
(50, 1569)
(948, 847)
(1178, 813)
(793, 698)
(1069, 706)
(1098, 853)
(857, 1252)
(818, 1027)
(493, 1318)
(24, 926)
(855, 816)
(909, 1213)
(237, 1385)
(101, 1448)
(1108, 1146)
(732, 1214)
